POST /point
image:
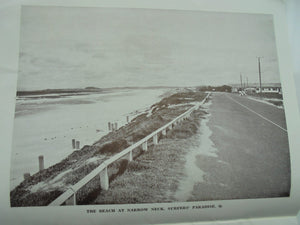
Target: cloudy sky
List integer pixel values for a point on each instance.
(63, 47)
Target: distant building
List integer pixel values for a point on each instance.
(254, 88)
(250, 90)
(269, 89)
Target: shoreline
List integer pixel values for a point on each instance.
(48, 129)
(80, 161)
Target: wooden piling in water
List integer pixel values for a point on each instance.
(73, 143)
(77, 144)
(41, 162)
(112, 127)
(109, 126)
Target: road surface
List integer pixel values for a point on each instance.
(251, 151)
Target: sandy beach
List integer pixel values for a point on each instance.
(46, 126)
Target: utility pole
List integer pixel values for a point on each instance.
(259, 73)
(241, 80)
(247, 82)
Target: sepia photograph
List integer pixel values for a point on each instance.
(131, 106)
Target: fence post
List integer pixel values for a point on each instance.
(71, 200)
(145, 146)
(170, 127)
(73, 143)
(155, 141)
(164, 132)
(104, 182)
(41, 163)
(129, 156)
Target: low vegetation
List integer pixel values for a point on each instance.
(154, 176)
(273, 98)
(267, 95)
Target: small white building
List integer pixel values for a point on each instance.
(269, 90)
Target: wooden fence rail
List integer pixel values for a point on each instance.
(69, 196)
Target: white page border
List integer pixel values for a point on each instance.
(232, 209)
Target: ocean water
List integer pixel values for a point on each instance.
(46, 124)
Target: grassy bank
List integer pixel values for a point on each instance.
(43, 187)
(154, 176)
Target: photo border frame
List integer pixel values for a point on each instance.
(231, 209)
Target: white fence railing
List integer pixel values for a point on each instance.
(69, 196)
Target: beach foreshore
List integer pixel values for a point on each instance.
(45, 186)
(46, 126)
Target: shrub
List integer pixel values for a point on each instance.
(112, 147)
